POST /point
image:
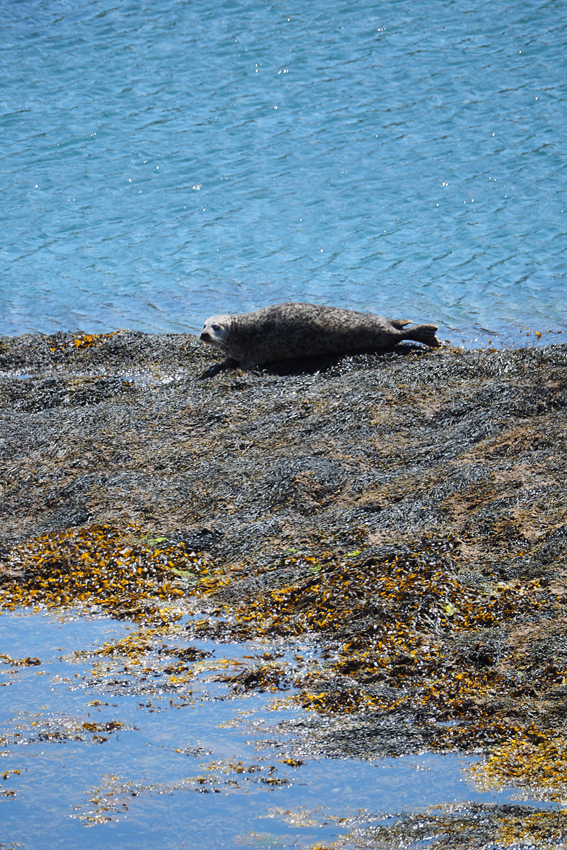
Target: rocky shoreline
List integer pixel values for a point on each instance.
(408, 511)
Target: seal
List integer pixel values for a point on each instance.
(290, 331)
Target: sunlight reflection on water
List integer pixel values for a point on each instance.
(166, 162)
(120, 750)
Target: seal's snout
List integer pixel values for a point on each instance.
(205, 337)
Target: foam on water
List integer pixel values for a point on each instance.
(165, 162)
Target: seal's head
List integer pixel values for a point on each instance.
(216, 331)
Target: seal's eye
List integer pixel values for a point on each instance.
(216, 327)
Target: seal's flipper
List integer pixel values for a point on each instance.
(424, 334)
(216, 368)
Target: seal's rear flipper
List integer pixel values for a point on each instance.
(424, 334)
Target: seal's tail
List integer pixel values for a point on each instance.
(424, 334)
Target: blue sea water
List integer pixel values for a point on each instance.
(164, 161)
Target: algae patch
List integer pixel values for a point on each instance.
(391, 531)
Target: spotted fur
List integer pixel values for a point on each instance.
(285, 331)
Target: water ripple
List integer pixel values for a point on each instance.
(164, 163)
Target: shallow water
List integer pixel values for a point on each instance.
(192, 766)
(167, 161)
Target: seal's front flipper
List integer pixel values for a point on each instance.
(219, 367)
